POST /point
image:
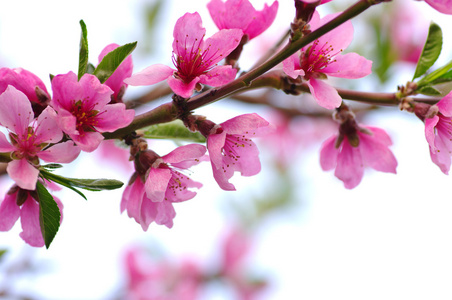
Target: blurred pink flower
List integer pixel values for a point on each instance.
(323, 57)
(443, 6)
(240, 14)
(408, 29)
(231, 148)
(438, 132)
(349, 161)
(29, 138)
(20, 203)
(116, 80)
(162, 280)
(195, 58)
(83, 109)
(158, 184)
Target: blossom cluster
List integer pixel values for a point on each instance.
(82, 108)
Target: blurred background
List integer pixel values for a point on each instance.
(291, 232)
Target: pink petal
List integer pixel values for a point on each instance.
(430, 124)
(350, 167)
(67, 122)
(165, 213)
(242, 157)
(31, 228)
(339, 38)
(22, 80)
(15, 111)
(65, 89)
(179, 188)
(114, 116)
(291, 66)
(65, 152)
(148, 212)
(47, 130)
(376, 154)
(188, 34)
(445, 105)
(328, 154)
(215, 143)
(89, 141)
(9, 212)
(441, 157)
(325, 95)
(183, 153)
(350, 65)
(181, 88)
(231, 14)
(219, 45)
(218, 76)
(132, 199)
(150, 75)
(5, 146)
(443, 6)
(23, 173)
(95, 94)
(250, 125)
(262, 20)
(157, 184)
(380, 135)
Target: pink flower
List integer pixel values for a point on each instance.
(240, 14)
(20, 203)
(323, 57)
(116, 80)
(438, 132)
(443, 6)
(408, 29)
(28, 83)
(29, 137)
(162, 280)
(231, 148)
(195, 59)
(83, 109)
(158, 183)
(349, 161)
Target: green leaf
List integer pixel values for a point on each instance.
(175, 130)
(52, 166)
(441, 75)
(87, 184)
(49, 214)
(83, 54)
(112, 60)
(3, 252)
(428, 90)
(431, 51)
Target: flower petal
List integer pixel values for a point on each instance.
(183, 153)
(430, 124)
(188, 34)
(350, 167)
(65, 152)
(325, 95)
(350, 65)
(445, 105)
(15, 111)
(23, 173)
(262, 20)
(9, 212)
(328, 154)
(181, 88)
(31, 228)
(5, 146)
(291, 66)
(113, 117)
(250, 125)
(157, 183)
(218, 76)
(376, 154)
(47, 130)
(150, 75)
(220, 45)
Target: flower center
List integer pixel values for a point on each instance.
(317, 57)
(86, 116)
(191, 61)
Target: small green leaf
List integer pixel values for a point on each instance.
(49, 214)
(431, 51)
(428, 90)
(175, 130)
(87, 184)
(52, 166)
(83, 54)
(112, 60)
(441, 75)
